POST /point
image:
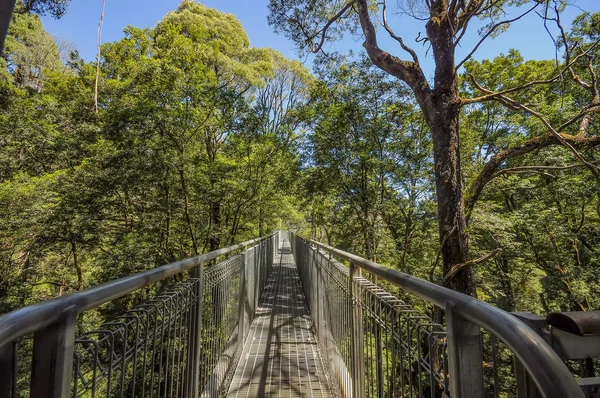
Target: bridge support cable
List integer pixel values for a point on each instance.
(380, 344)
(180, 340)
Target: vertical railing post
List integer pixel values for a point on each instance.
(256, 279)
(52, 364)
(271, 254)
(8, 375)
(465, 355)
(356, 326)
(194, 357)
(526, 387)
(318, 294)
(378, 309)
(242, 309)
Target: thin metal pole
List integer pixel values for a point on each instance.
(242, 309)
(52, 364)
(193, 382)
(378, 347)
(526, 388)
(358, 363)
(8, 375)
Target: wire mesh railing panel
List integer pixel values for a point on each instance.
(220, 315)
(404, 352)
(142, 353)
(382, 345)
(180, 342)
(377, 345)
(335, 333)
(498, 368)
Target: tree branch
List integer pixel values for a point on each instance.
(99, 43)
(476, 187)
(317, 48)
(489, 32)
(512, 104)
(408, 71)
(437, 257)
(521, 169)
(409, 50)
(457, 267)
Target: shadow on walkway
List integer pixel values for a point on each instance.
(281, 357)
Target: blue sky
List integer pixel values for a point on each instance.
(80, 25)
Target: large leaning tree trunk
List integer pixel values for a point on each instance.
(443, 119)
(449, 191)
(313, 22)
(441, 106)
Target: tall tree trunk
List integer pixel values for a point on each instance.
(77, 265)
(441, 108)
(186, 209)
(449, 190)
(215, 221)
(444, 122)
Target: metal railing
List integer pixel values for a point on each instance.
(379, 346)
(180, 342)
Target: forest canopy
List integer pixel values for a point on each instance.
(201, 140)
(192, 149)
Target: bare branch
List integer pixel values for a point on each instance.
(409, 50)
(99, 43)
(437, 257)
(593, 85)
(408, 71)
(489, 32)
(493, 95)
(535, 169)
(457, 267)
(323, 32)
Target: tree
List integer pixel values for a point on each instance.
(31, 51)
(311, 23)
(56, 8)
(368, 183)
(193, 139)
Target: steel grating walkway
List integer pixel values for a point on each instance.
(281, 357)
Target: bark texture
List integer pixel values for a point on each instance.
(441, 107)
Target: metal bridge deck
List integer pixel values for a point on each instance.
(281, 357)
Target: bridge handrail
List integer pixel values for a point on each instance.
(541, 362)
(27, 320)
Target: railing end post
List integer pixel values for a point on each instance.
(465, 355)
(52, 363)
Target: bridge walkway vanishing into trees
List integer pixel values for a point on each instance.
(282, 316)
(280, 356)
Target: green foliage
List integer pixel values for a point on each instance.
(542, 219)
(56, 8)
(201, 141)
(191, 149)
(30, 51)
(369, 188)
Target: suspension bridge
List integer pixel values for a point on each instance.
(284, 316)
